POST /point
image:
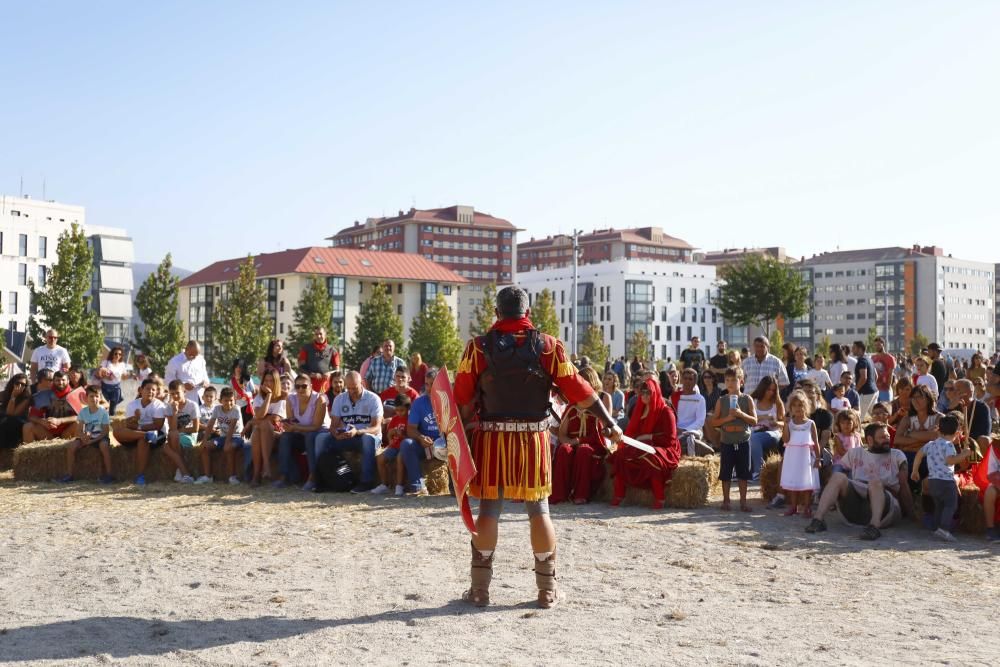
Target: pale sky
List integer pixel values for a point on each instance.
(221, 128)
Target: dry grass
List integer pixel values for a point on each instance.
(770, 477)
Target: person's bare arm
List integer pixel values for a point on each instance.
(564, 431)
(905, 497)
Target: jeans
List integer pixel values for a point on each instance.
(289, 443)
(412, 453)
(945, 495)
(762, 442)
(885, 396)
(366, 444)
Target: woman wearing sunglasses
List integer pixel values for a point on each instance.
(307, 418)
(14, 402)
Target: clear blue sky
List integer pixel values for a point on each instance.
(213, 129)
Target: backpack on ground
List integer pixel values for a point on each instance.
(333, 473)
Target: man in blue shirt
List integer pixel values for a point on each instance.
(864, 379)
(421, 430)
(382, 369)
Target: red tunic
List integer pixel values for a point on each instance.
(516, 463)
(637, 468)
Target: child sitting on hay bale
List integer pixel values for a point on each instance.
(94, 427)
(143, 427)
(222, 432)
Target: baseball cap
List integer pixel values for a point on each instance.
(934, 346)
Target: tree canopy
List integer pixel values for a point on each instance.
(434, 335)
(758, 289)
(543, 313)
(639, 345)
(241, 326)
(594, 348)
(157, 303)
(314, 310)
(377, 320)
(483, 316)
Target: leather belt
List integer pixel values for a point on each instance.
(514, 426)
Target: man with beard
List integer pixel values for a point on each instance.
(877, 492)
(51, 415)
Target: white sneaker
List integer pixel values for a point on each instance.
(399, 489)
(187, 479)
(380, 490)
(943, 534)
(178, 475)
(234, 480)
(204, 479)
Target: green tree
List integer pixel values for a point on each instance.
(376, 321)
(162, 335)
(434, 335)
(483, 316)
(594, 347)
(64, 305)
(543, 313)
(241, 327)
(758, 290)
(639, 345)
(776, 340)
(870, 340)
(314, 310)
(918, 343)
(823, 347)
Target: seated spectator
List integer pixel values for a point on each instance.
(268, 413)
(222, 431)
(418, 372)
(183, 417)
(691, 412)
(400, 385)
(920, 428)
(142, 367)
(900, 407)
(336, 386)
(143, 427)
(244, 389)
(875, 495)
(51, 415)
(355, 425)
(712, 390)
(880, 415)
(578, 463)
(850, 394)
(43, 381)
(110, 374)
(390, 464)
(765, 436)
(977, 414)
(308, 417)
(421, 432)
(95, 425)
(611, 386)
(941, 459)
(76, 378)
(990, 490)
(206, 409)
(15, 400)
(654, 423)
(847, 435)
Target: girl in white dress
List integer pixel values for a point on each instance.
(802, 455)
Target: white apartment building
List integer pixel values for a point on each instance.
(899, 292)
(29, 235)
(671, 301)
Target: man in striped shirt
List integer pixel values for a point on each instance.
(762, 363)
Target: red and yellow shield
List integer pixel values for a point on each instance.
(460, 463)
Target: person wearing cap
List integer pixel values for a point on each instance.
(504, 381)
(938, 368)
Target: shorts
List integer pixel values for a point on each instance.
(735, 457)
(161, 439)
(187, 439)
(220, 442)
(58, 430)
(856, 508)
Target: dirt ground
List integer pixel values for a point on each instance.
(215, 576)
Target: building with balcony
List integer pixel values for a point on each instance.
(603, 245)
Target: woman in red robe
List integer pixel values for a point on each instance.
(652, 422)
(578, 462)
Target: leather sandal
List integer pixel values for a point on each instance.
(545, 579)
(481, 574)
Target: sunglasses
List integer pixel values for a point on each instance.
(301, 386)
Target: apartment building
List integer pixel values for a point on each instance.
(602, 245)
(29, 235)
(670, 301)
(349, 275)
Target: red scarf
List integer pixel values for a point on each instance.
(512, 325)
(637, 424)
(64, 394)
(242, 394)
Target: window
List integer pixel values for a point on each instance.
(281, 328)
(281, 284)
(447, 290)
(43, 247)
(399, 309)
(12, 303)
(683, 295)
(22, 274)
(612, 337)
(43, 275)
(22, 245)
(281, 306)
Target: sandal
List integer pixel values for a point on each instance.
(545, 578)
(870, 533)
(791, 511)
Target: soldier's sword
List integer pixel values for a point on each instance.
(632, 442)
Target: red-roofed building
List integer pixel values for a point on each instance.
(602, 245)
(350, 275)
(473, 244)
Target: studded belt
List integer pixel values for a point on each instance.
(515, 426)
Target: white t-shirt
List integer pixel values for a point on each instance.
(186, 370)
(155, 410)
(117, 372)
(54, 359)
(276, 407)
(865, 466)
(820, 377)
(143, 373)
(360, 414)
(837, 369)
(223, 420)
(930, 381)
(188, 413)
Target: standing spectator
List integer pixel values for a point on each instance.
(15, 400)
(798, 370)
(838, 362)
(111, 372)
(142, 368)
(734, 416)
(189, 368)
(719, 363)
(694, 356)
(418, 372)
(635, 366)
(691, 416)
(818, 374)
(885, 368)
(275, 359)
(619, 369)
(611, 386)
(421, 432)
(243, 388)
(927, 379)
(51, 356)
(376, 351)
(319, 360)
(760, 364)
(76, 378)
(937, 368)
(941, 458)
(355, 425)
(383, 368)
(864, 379)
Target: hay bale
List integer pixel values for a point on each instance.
(435, 473)
(971, 518)
(770, 477)
(6, 458)
(693, 482)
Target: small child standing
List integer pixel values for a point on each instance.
(394, 476)
(734, 416)
(95, 425)
(847, 428)
(839, 401)
(802, 455)
(941, 459)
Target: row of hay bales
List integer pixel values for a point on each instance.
(971, 518)
(695, 479)
(46, 460)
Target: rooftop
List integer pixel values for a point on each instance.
(449, 214)
(641, 235)
(872, 255)
(331, 262)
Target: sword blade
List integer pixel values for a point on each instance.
(632, 442)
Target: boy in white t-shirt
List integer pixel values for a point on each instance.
(941, 459)
(184, 417)
(143, 427)
(222, 432)
(95, 425)
(207, 408)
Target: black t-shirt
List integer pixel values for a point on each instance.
(980, 423)
(940, 372)
(693, 359)
(823, 419)
(865, 364)
(719, 362)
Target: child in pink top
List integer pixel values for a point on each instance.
(847, 435)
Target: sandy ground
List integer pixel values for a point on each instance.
(211, 576)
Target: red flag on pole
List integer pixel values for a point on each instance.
(460, 463)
